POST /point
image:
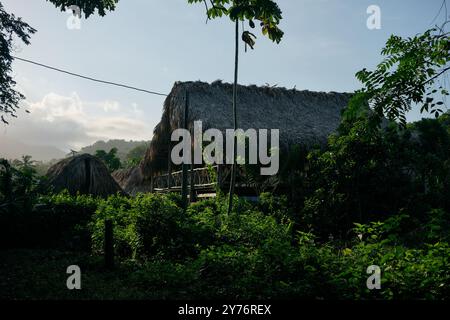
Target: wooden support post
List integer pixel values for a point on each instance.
(152, 187)
(109, 244)
(192, 174)
(184, 183)
(219, 177)
(192, 196)
(169, 171)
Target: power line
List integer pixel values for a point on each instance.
(444, 5)
(89, 78)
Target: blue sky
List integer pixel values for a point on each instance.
(152, 44)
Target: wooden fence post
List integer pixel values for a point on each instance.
(109, 244)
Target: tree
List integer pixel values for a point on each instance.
(409, 75)
(110, 159)
(269, 15)
(18, 181)
(10, 27)
(6, 184)
(135, 155)
(369, 175)
(87, 7)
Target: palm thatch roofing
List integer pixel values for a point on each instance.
(85, 174)
(131, 180)
(303, 117)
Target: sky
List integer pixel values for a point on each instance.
(152, 44)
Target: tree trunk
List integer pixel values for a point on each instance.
(233, 166)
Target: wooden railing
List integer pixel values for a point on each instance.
(201, 178)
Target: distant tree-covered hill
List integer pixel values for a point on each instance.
(123, 147)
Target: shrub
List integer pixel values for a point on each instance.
(368, 174)
(276, 206)
(145, 226)
(116, 208)
(56, 221)
(163, 227)
(251, 229)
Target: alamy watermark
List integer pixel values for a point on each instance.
(374, 281)
(259, 149)
(74, 280)
(374, 20)
(74, 20)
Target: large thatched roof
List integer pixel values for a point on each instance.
(303, 117)
(85, 174)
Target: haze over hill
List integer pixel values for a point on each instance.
(14, 149)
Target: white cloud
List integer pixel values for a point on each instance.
(118, 127)
(54, 107)
(69, 122)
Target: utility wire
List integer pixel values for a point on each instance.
(443, 6)
(89, 78)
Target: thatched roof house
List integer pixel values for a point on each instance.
(85, 174)
(303, 117)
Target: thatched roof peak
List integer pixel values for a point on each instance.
(83, 173)
(274, 89)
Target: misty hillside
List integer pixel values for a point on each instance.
(123, 147)
(14, 149)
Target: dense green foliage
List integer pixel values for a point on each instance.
(88, 7)
(131, 159)
(136, 155)
(110, 159)
(372, 174)
(56, 221)
(319, 248)
(249, 254)
(18, 183)
(267, 12)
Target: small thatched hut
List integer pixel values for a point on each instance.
(131, 180)
(85, 174)
(303, 117)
